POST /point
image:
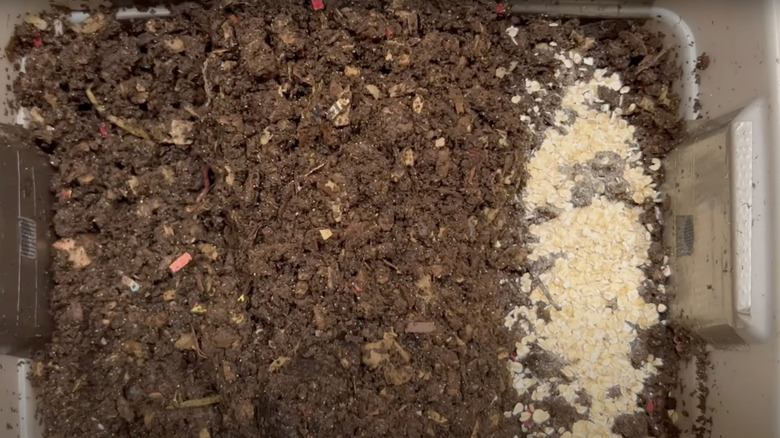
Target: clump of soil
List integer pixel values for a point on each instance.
(343, 181)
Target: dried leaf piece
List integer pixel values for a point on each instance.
(209, 250)
(77, 255)
(398, 90)
(148, 418)
(398, 376)
(420, 327)
(436, 417)
(91, 25)
(335, 208)
(124, 409)
(278, 363)
(36, 116)
(189, 341)
(135, 348)
(179, 132)
(186, 341)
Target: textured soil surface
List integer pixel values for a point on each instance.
(339, 178)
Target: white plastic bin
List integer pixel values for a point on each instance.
(741, 40)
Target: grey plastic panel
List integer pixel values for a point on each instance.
(25, 236)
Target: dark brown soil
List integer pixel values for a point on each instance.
(316, 242)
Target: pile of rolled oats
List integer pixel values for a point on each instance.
(593, 249)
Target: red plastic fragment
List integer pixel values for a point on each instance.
(38, 42)
(358, 288)
(500, 9)
(103, 129)
(317, 4)
(180, 263)
(234, 18)
(388, 31)
(650, 406)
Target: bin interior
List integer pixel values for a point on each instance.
(742, 386)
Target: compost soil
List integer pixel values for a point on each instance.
(344, 278)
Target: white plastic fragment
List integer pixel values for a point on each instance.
(22, 118)
(134, 13)
(512, 31)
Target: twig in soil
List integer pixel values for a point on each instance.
(206, 185)
(195, 403)
(314, 170)
(546, 292)
(206, 82)
(398, 271)
(118, 122)
(651, 62)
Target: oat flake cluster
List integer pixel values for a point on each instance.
(596, 247)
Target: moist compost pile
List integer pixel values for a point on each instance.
(396, 219)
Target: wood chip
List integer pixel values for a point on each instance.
(326, 233)
(169, 295)
(128, 127)
(373, 90)
(407, 157)
(36, 21)
(420, 327)
(417, 104)
(456, 96)
(175, 45)
(351, 71)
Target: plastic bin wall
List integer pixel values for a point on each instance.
(741, 39)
